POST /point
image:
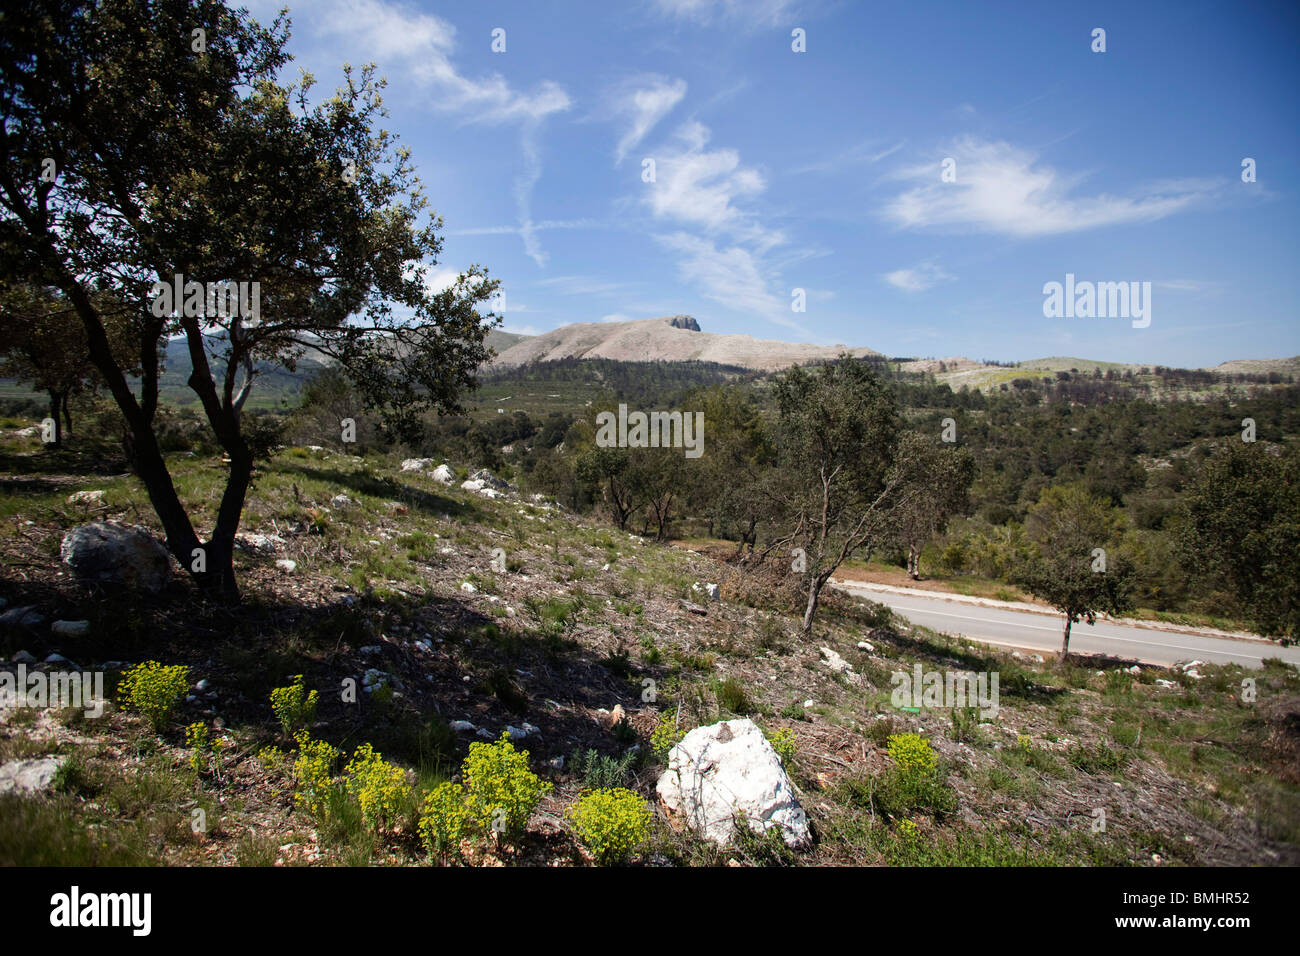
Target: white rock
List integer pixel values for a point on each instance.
(30, 776)
(517, 733)
(1160, 682)
(462, 726)
(443, 475)
(416, 464)
(287, 565)
(471, 485)
(712, 591)
(86, 497)
(341, 501)
(468, 587)
(865, 646)
(70, 628)
(252, 541)
(839, 665)
(726, 769)
(1135, 670)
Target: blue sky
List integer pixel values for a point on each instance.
(821, 170)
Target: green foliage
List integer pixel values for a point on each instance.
(153, 690)
(666, 735)
(293, 706)
(599, 772)
(500, 791)
(199, 740)
(732, 696)
(783, 742)
(444, 820)
(1069, 525)
(611, 823)
(912, 754)
(1239, 528)
(379, 787)
(313, 772)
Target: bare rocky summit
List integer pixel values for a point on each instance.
(670, 339)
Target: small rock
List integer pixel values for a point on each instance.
(26, 616)
(341, 501)
(86, 497)
(29, 776)
(70, 628)
(468, 587)
(865, 646)
(288, 565)
(462, 726)
(57, 659)
(22, 657)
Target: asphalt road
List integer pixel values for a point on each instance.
(1027, 630)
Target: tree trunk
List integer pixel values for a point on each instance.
(814, 593)
(914, 562)
(1065, 641)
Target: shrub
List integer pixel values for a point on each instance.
(293, 707)
(501, 791)
(912, 754)
(732, 696)
(610, 823)
(199, 740)
(381, 788)
(599, 772)
(444, 820)
(666, 735)
(783, 742)
(152, 690)
(313, 772)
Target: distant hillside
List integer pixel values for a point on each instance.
(667, 339)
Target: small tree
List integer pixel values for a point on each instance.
(1239, 530)
(148, 144)
(1077, 566)
(838, 478)
(942, 475)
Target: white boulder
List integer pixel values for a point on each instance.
(443, 475)
(727, 769)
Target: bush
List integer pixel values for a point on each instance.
(153, 690)
(599, 772)
(912, 754)
(732, 696)
(610, 823)
(380, 787)
(444, 820)
(313, 773)
(501, 792)
(295, 709)
(666, 735)
(199, 741)
(783, 742)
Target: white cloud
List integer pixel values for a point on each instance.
(1002, 189)
(700, 187)
(859, 155)
(412, 46)
(649, 100)
(725, 255)
(918, 278)
(756, 12)
(732, 276)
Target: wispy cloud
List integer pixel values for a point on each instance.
(419, 46)
(756, 12)
(644, 102)
(863, 154)
(1002, 189)
(918, 278)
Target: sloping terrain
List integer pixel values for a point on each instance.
(647, 340)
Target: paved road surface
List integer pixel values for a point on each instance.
(1042, 632)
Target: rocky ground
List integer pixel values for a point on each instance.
(462, 607)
